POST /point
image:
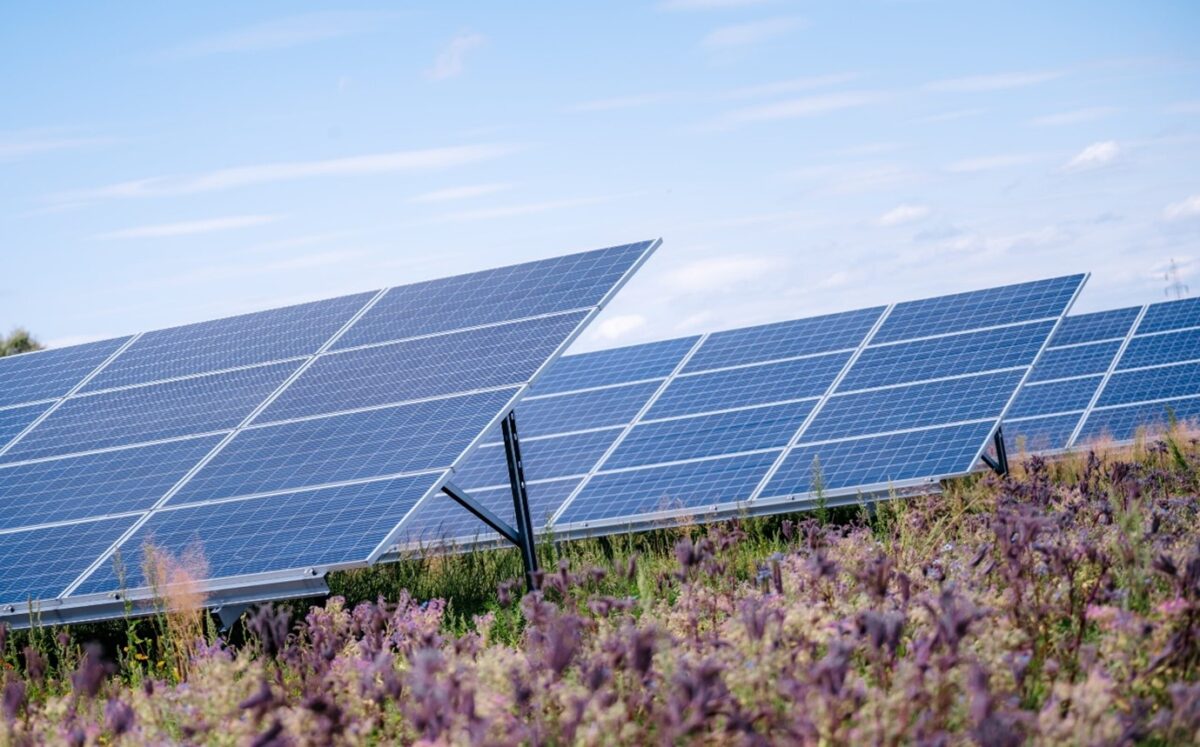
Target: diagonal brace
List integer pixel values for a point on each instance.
(522, 534)
(999, 465)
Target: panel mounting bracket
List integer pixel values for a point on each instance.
(522, 534)
(999, 464)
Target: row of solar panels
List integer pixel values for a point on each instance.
(628, 437)
(1108, 374)
(292, 442)
(282, 444)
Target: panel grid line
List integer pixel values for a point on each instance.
(969, 331)
(220, 445)
(833, 385)
(1112, 367)
(436, 489)
(628, 428)
(1029, 370)
(59, 402)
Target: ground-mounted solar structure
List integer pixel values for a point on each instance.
(1108, 374)
(764, 419)
(281, 444)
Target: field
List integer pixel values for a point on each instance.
(1060, 605)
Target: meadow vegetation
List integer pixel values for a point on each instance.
(1058, 605)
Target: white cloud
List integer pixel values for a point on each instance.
(69, 340)
(949, 116)
(452, 60)
(991, 163)
(460, 193)
(619, 326)
(808, 106)
(708, 4)
(791, 86)
(838, 279)
(996, 82)
(189, 228)
(620, 102)
(284, 33)
(511, 211)
(430, 159)
(1189, 207)
(753, 32)
(718, 273)
(15, 145)
(1094, 156)
(902, 214)
(1075, 116)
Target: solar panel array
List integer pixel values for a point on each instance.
(1109, 373)
(283, 443)
(878, 398)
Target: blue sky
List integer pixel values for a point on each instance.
(163, 163)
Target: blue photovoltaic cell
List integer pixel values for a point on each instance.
(352, 446)
(16, 419)
(1068, 395)
(229, 343)
(1155, 350)
(969, 352)
(571, 282)
(543, 458)
(695, 485)
(1101, 325)
(581, 411)
(1039, 434)
(108, 482)
(47, 374)
(40, 563)
(881, 460)
(1125, 387)
(820, 334)
(1078, 360)
(709, 435)
(427, 367)
(337, 526)
(1167, 315)
(178, 408)
(441, 519)
(654, 360)
(913, 406)
(1040, 299)
(1122, 423)
(753, 385)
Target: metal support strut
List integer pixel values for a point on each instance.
(999, 465)
(522, 534)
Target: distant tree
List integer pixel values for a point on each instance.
(18, 341)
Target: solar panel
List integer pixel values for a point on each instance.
(1109, 373)
(284, 443)
(737, 420)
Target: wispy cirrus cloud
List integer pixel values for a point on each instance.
(17, 145)
(708, 4)
(902, 214)
(460, 193)
(1189, 207)
(284, 33)
(994, 82)
(189, 228)
(512, 211)
(452, 60)
(991, 163)
(797, 108)
(716, 273)
(751, 33)
(621, 102)
(430, 159)
(1094, 156)
(1075, 116)
(794, 85)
